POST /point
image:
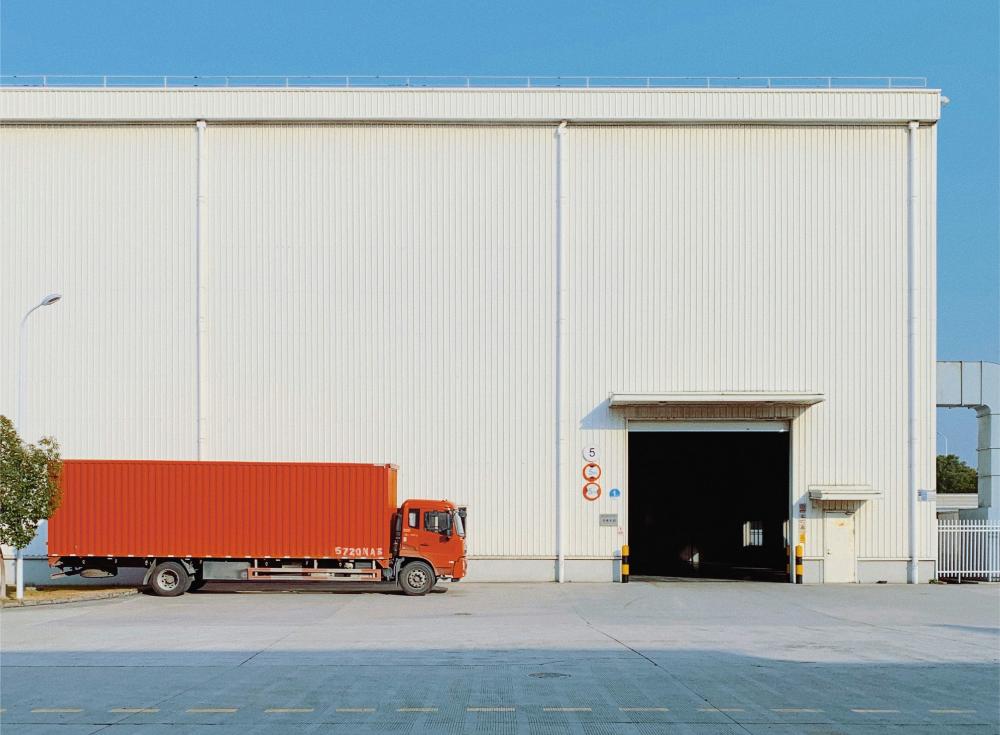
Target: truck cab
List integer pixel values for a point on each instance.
(432, 531)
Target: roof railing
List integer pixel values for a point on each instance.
(368, 81)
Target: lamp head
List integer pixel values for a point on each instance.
(51, 299)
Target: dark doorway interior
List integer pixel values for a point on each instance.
(708, 504)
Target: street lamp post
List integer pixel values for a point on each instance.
(22, 362)
(945, 437)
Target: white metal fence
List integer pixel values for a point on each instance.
(969, 549)
(377, 80)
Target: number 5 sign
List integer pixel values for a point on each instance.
(590, 454)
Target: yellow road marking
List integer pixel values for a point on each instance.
(721, 709)
(212, 710)
(355, 709)
(56, 710)
(489, 709)
(566, 709)
(789, 710)
(134, 710)
(289, 710)
(644, 709)
(875, 711)
(417, 709)
(952, 711)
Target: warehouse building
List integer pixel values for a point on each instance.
(673, 318)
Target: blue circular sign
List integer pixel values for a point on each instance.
(615, 493)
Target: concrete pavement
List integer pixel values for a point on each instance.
(512, 658)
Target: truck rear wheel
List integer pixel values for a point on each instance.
(417, 578)
(169, 579)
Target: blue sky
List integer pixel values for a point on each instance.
(954, 43)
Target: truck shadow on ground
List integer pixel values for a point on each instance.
(428, 689)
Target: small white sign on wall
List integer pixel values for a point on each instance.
(591, 454)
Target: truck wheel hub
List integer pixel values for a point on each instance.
(168, 580)
(417, 578)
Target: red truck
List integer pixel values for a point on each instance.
(188, 523)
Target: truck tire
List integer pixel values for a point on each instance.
(417, 578)
(169, 579)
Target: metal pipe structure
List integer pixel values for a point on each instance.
(911, 350)
(200, 280)
(22, 370)
(976, 385)
(561, 306)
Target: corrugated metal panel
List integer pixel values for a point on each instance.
(753, 259)
(386, 294)
(499, 105)
(106, 217)
(219, 509)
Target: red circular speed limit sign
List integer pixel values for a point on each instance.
(591, 471)
(591, 491)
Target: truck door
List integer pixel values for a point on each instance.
(411, 539)
(429, 531)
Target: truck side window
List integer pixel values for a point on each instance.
(413, 519)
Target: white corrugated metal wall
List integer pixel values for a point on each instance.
(743, 258)
(106, 217)
(385, 292)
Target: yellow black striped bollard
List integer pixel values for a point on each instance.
(798, 564)
(625, 564)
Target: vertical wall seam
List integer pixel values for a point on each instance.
(912, 293)
(561, 305)
(199, 230)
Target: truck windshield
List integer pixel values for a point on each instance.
(459, 526)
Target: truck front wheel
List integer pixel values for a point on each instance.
(417, 578)
(169, 579)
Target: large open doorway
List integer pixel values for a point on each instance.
(709, 503)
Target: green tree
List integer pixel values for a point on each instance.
(29, 487)
(955, 476)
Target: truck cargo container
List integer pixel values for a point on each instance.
(188, 523)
